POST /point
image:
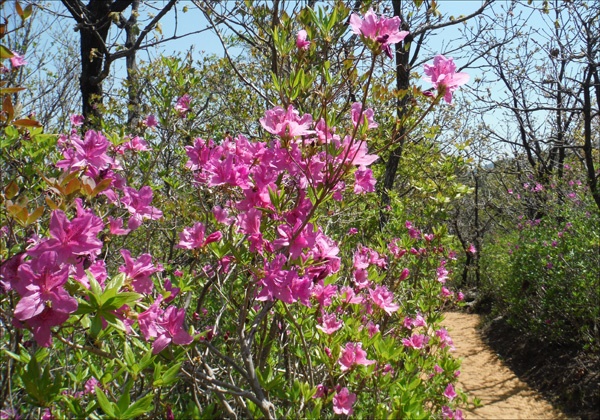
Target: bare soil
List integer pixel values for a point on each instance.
(485, 376)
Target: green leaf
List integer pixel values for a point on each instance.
(104, 404)
(5, 52)
(121, 299)
(141, 406)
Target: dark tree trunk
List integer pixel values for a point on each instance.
(402, 83)
(92, 58)
(133, 88)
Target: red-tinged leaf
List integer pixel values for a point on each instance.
(37, 213)
(51, 204)
(4, 91)
(2, 29)
(26, 122)
(19, 9)
(72, 186)
(5, 52)
(19, 213)
(7, 108)
(11, 190)
(102, 185)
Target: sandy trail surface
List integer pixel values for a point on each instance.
(484, 375)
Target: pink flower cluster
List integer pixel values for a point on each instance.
(443, 75)
(383, 31)
(299, 255)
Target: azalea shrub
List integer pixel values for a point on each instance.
(262, 309)
(544, 274)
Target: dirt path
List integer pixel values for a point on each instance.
(483, 375)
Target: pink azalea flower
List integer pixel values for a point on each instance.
(183, 105)
(91, 151)
(288, 123)
(301, 40)
(44, 302)
(416, 341)
(353, 354)
(449, 392)
(330, 324)
(343, 401)
(138, 144)
(359, 116)
(17, 60)
(438, 369)
(138, 205)
(116, 227)
(352, 231)
(364, 181)
(139, 271)
(323, 294)
(471, 249)
(165, 326)
(372, 329)
(447, 413)
(445, 339)
(404, 274)
(150, 121)
(321, 391)
(445, 292)
(382, 30)
(443, 73)
(192, 238)
(349, 296)
(383, 298)
(77, 120)
(71, 239)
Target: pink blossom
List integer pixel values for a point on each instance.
(183, 105)
(282, 123)
(138, 144)
(352, 231)
(416, 341)
(404, 274)
(91, 151)
(17, 60)
(321, 391)
(364, 181)
(447, 413)
(449, 392)
(323, 294)
(330, 324)
(383, 298)
(165, 326)
(445, 292)
(343, 401)
(138, 205)
(71, 239)
(192, 238)
(44, 302)
(139, 271)
(150, 121)
(443, 73)
(359, 116)
(301, 40)
(442, 272)
(349, 295)
(445, 339)
(353, 354)
(382, 30)
(471, 249)
(77, 120)
(372, 329)
(116, 226)
(438, 369)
